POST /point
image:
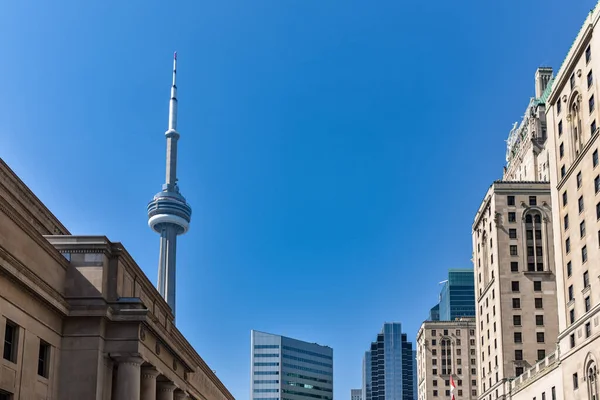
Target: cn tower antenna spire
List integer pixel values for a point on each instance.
(168, 213)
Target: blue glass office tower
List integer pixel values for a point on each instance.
(289, 369)
(389, 367)
(457, 298)
(434, 313)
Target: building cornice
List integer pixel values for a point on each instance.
(40, 216)
(21, 274)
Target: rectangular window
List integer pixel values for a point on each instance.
(595, 158)
(598, 211)
(529, 251)
(510, 200)
(515, 286)
(588, 304)
(590, 79)
(588, 330)
(518, 355)
(532, 200)
(582, 229)
(516, 320)
(572, 315)
(539, 303)
(570, 291)
(518, 337)
(564, 196)
(519, 371)
(591, 103)
(553, 392)
(563, 171)
(541, 354)
(575, 381)
(569, 269)
(561, 150)
(513, 250)
(588, 54)
(572, 80)
(512, 233)
(516, 303)
(514, 266)
(537, 286)
(559, 128)
(572, 340)
(43, 359)
(540, 337)
(584, 254)
(558, 107)
(539, 320)
(11, 340)
(586, 279)
(566, 221)
(597, 184)
(5, 396)
(529, 234)
(512, 217)
(593, 128)
(568, 245)
(580, 204)
(579, 179)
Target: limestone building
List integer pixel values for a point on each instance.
(80, 320)
(513, 255)
(572, 371)
(447, 349)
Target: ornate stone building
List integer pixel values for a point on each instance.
(447, 349)
(80, 320)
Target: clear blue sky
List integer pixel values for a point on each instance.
(334, 152)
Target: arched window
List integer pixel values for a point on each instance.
(446, 356)
(592, 373)
(534, 237)
(575, 122)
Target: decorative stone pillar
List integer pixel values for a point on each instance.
(148, 385)
(127, 385)
(165, 390)
(181, 395)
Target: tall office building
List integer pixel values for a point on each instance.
(355, 394)
(389, 367)
(446, 351)
(513, 255)
(290, 369)
(457, 298)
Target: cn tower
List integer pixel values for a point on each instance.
(168, 213)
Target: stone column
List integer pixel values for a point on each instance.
(148, 386)
(127, 386)
(165, 390)
(181, 395)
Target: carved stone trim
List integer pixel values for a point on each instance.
(61, 304)
(41, 217)
(34, 234)
(142, 333)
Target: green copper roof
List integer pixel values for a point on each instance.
(544, 97)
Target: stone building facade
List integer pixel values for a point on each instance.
(447, 349)
(80, 320)
(515, 284)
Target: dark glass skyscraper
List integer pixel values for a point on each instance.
(457, 298)
(389, 367)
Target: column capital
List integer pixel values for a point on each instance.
(127, 358)
(165, 386)
(181, 395)
(149, 372)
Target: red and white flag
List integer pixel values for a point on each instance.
(452, 386)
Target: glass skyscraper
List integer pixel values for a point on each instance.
(289, 369)
(389, 367)
(457, 298)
